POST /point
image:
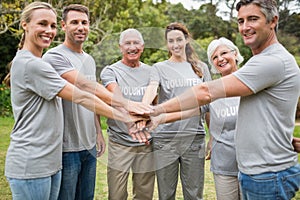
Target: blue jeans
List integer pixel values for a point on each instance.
(78, 175)
(280, 185)
(35, 189)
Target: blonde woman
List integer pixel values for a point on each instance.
(34, 157)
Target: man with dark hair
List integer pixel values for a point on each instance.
(83, 141)
(269, 86)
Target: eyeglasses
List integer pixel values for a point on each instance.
(222, 54)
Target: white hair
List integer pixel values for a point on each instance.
(128, 31)
(215, 44)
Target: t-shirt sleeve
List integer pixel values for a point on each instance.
(108, 76)
(205, 71)
(154, 74)
(58, 61)
(261, 72)
(43, 79)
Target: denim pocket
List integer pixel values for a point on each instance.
(262, 186)
(291, 182)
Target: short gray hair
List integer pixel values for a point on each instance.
(215, 44)
(267, 7)
(130, 30)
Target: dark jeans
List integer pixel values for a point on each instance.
(78, 175)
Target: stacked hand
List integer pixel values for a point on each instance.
(296, 144)
(139, 108)
(142, 119)
(140, 130)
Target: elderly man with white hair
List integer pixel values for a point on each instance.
(130, 77)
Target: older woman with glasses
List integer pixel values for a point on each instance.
(224, 58)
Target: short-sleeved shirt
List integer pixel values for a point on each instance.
(79, 122)
(223, 116)
(133, 83)
(35, 149)
(174, 78)
(266, 119)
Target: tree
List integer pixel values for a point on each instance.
(109, 17)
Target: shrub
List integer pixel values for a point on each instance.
(5, 103)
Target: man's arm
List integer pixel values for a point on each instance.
(205, 93)
(150, 93)
(171, 117)
(100, 139)
(114, 99)
(94, 104)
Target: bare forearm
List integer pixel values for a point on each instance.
(187, 100)
(150, 93)
(113, 99)
(205, 93)
(93, 87)
(174, 116)
(90, 101)
(94, 104)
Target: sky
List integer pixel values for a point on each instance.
(188, 4)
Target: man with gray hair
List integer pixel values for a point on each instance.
(269, 86)
(130, 77)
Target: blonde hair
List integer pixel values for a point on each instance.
(27, 14)
(26, 17)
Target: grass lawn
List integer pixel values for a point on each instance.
(101, 186)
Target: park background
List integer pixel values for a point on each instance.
(208, 20)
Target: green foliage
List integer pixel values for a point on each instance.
(5, 103)
(8, 48)
(297, 131)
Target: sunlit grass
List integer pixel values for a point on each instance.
(101, 190)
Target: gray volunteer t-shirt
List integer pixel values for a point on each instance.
(35, 148)
(133, 83)
(79, 122)
(223, 116)
(175, 78)
(266, 120)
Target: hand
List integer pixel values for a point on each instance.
(157, 110)
(100, 144)
(140, 125)
(138, 108)
(129, 118)
(141, 130)
(296, 144)
(142, 135)
(155, 121)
